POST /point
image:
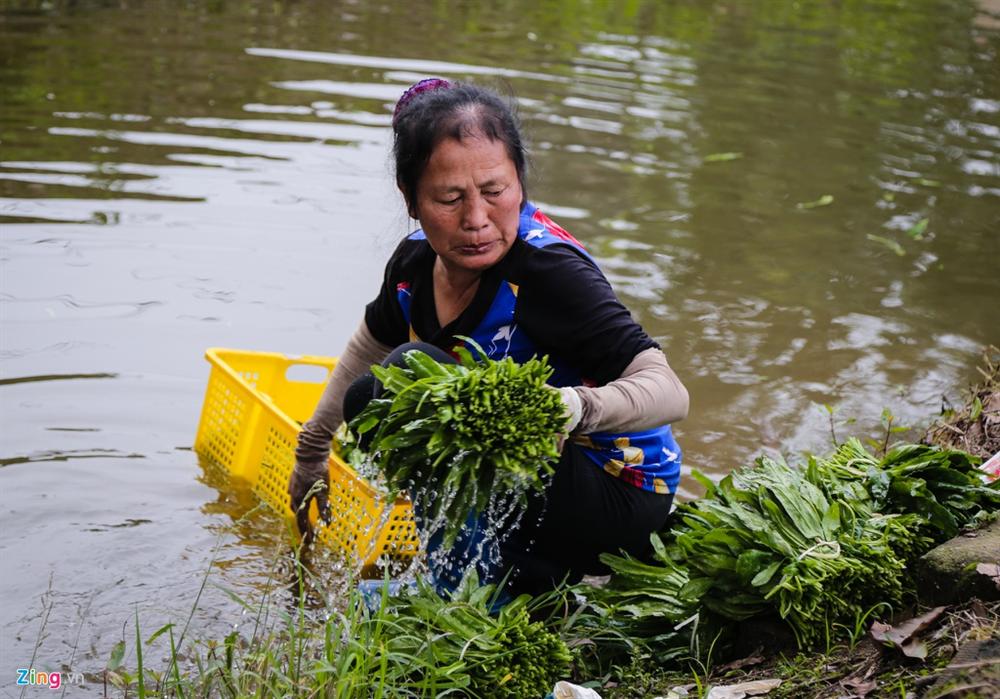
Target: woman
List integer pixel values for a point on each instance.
(487, 264)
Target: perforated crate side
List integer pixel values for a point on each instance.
(398, 535)
(244, 431)
(276, 468)
(356, 517)
(224, 415)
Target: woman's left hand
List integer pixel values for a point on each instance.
(573, 410)
(309, 480)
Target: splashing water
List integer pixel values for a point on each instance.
(478, 546)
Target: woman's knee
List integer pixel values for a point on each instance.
(396, 358)
(358, 395)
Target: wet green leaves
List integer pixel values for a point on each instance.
(824, 200)
(722, 157)
(917, 230)
(914, 232)
(977, 409)
(117, 656)
(887, 243)
(453, 434)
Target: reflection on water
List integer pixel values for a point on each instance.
(799, 201)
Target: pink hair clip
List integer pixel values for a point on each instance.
(425, 85)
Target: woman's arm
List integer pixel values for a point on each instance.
(361, 352)
(646, 395)
(313, 449)
(566, 305)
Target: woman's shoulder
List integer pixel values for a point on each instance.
(552, 264)
(537, 229)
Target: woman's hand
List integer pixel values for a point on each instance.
(308, 481)
(574, 407)
(573, 410)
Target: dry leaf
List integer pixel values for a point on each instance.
(914, 648)
(744, 689)
(742, 662)
(880, 630)
(858, 687)
(675, 693)
(904, 636)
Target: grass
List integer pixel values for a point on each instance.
(350, 655)
(301, 642)
(287, 653)
(341, 649)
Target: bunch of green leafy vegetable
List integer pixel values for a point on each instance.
(820, 546)
(944, 486)
(453, 434)
(503, 654)
(639, 613)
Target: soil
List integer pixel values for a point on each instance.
(975, 427)
(963, 660)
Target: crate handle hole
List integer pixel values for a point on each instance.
(306, 373)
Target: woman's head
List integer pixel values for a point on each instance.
(436, 110)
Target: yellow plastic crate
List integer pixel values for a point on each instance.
(250, 422)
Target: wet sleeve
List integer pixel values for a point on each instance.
(361, 352)
(566, 304)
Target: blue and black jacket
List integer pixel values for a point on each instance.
(547, 297)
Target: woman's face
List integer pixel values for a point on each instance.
(468, 203)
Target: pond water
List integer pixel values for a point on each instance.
(799, 200)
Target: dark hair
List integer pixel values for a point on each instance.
(458, 111)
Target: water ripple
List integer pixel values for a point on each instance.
(297, 129)
(54, 377)
(424, 67)
(69, 455)
(260, 149)
(27, 309)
